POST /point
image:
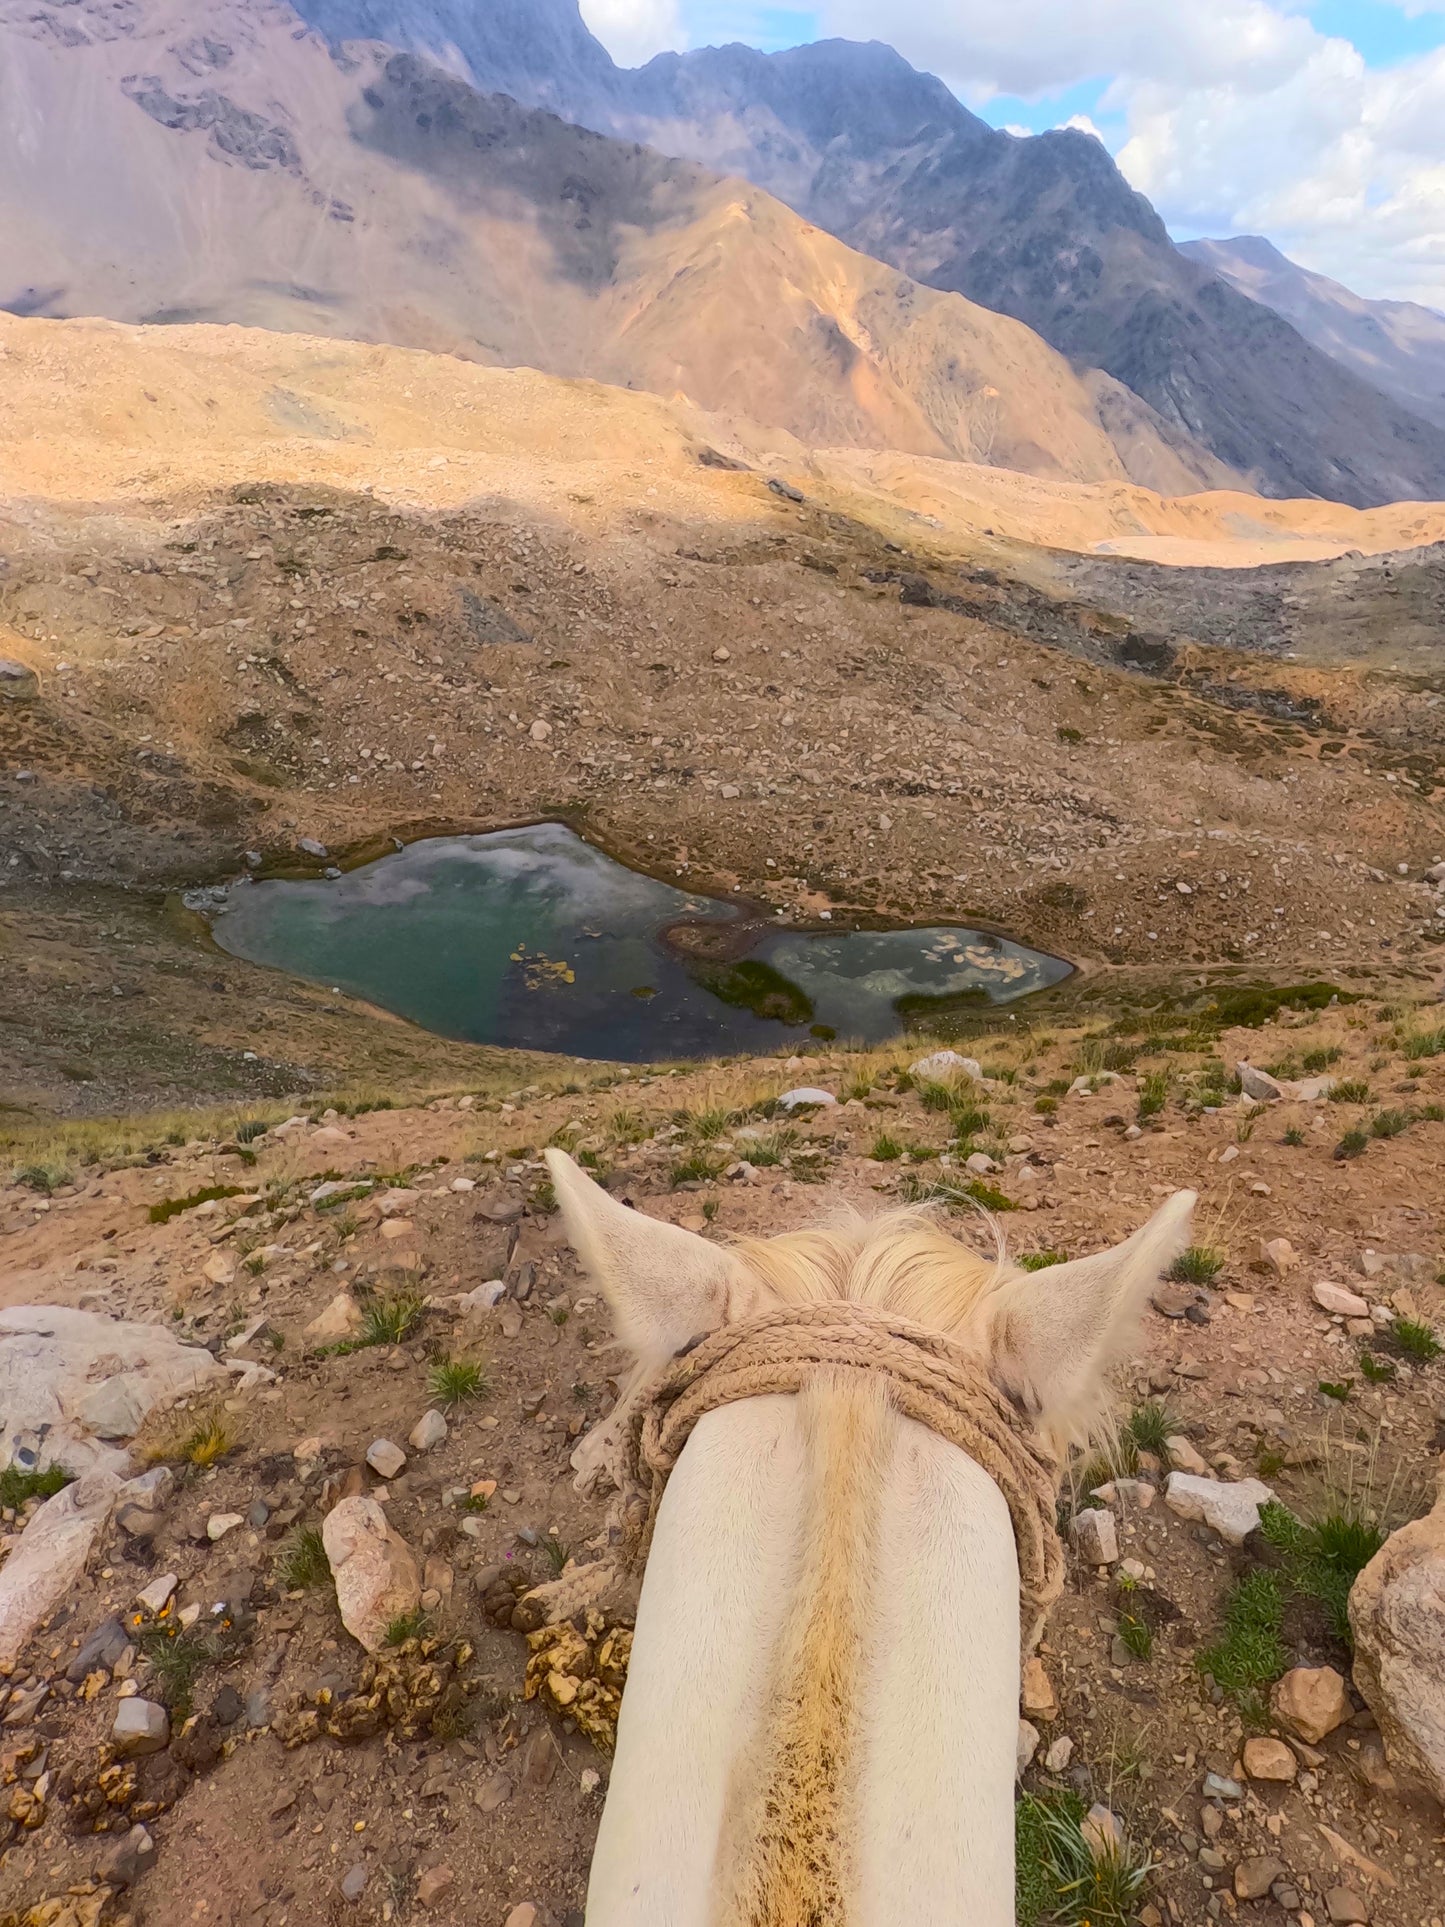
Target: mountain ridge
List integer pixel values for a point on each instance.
(1044, 229)
(1396, 346)
(256, 177)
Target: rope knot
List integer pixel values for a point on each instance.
(929, 1378)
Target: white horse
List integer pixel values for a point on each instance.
(821, 1717)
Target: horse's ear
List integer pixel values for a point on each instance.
(1054, 1333)
(665, 1285)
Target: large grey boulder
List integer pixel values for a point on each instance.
(51, 1556)
(1397, 1614)
(71, 1381)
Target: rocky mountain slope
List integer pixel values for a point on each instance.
(386, 1324)
(1398, 346)
(1044, 229)
(152, 171)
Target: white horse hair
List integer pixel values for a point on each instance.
(820, 1722)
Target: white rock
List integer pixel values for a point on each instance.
(154, 1596)
(385, 1458)
(482, 1297)
(430, 1430)
(140, 1727)
(1310, 1090)
(1094, 1536)
(1337, 1301)
(249, 1334)
(1258, 1084)
(463, 1184)
(1229, 1506)
(219, 1268)
(1059, 1754)
(1028, 1744)
(46, 1562)
(943, 1066)
(220, 1523)
(980, 1163)
(376, 1575)
(805, 1094)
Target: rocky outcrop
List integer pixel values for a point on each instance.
(71, 1381)
(1397, 1614)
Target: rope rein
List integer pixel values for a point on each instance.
(929, 1378)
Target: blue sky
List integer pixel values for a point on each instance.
(1320, 123)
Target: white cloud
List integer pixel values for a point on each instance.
(633, 31)
(1239, 115)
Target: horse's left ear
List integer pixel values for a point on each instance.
(665, 1285)
(1054, 1333)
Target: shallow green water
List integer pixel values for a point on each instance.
(535, 939)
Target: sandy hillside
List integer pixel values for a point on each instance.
(98, 410)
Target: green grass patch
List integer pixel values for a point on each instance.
(18, 1487)
(1391, 1123)
(1423, 1044)
(1324, 1557)
(698, 1167)
(1197, 1265)
(1338, 1389)
(404, 1627)
(44, 1178)
(169, 1208)
(1249, 1654)
(452, 1381)
(1377, 1371)
(303, 1562)
(1153, 1094)
(1040, 1260)
(1416, 1340)
(389, 1321)
(1057, 1875)
(1353, 1144)
(1350, 1090)
(886, 1149)
(1151, 1426)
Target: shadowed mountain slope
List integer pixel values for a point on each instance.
(1044, 229)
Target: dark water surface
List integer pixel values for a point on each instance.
(535, 939)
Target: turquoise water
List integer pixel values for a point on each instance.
(535, 939)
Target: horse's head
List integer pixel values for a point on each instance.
(1046, 1337)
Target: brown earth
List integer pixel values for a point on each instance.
(551, 606)
(250, 1831)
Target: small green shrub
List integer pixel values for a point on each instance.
(1040, 1260)
(1324, 1557)
(1046, 1106)
(249, 1129)
(1151, 1426)
(1320, 1059)
(1137, 1635)
(1353, 1144)
(1197, 1265)
(45, 1178)
(1153, 1094)
(1337, 1389)
(1429, 1043)
(404, 1627)
(1378, 1371)
(452, 1381)
(885, 1148)
(303, 1562)
(1058, 1877)
(1393, 1123)
(1416, 1340)
(1294, 1136)
(1350, 1090)
(389, 1321)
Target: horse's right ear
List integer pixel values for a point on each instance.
(665, 1285)
(1054, 1333)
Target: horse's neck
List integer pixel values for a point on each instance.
(821, 1711)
